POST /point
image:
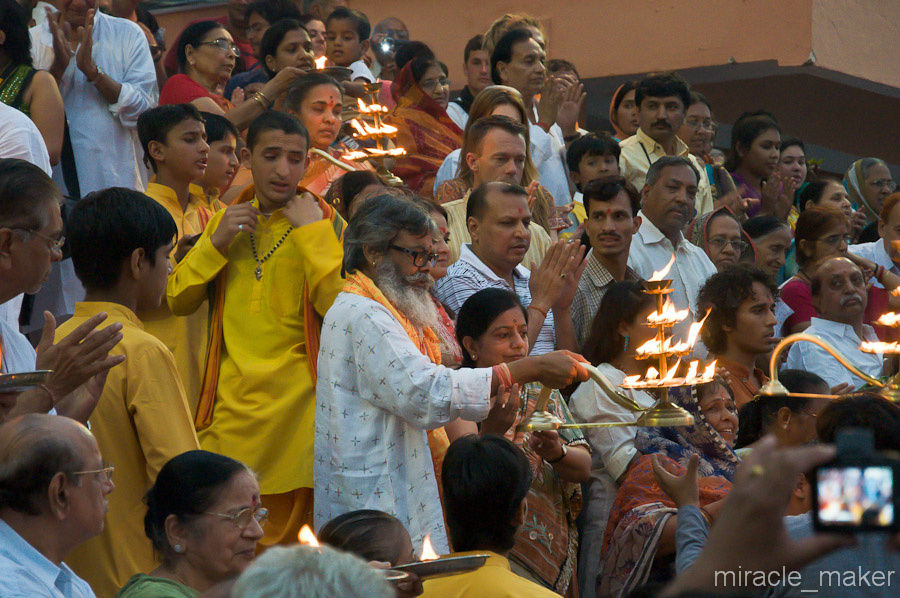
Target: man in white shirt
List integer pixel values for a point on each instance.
(53, 488)
(20, 138)
(106, 82)
(380, 384)
(519, 61)
(667, 202)
(881, 252)
(477, 67)
(498, 217)
(839, 296)
(662, 101)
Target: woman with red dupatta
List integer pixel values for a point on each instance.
(639, 542)
(424, 128)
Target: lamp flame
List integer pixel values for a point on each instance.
(879, 347)
(889, 319)
(652, 380)
(370, 108)
(428, 553)
(669, 315)
(661, 274)
(307, 537)
(320, 62)
(364, 130)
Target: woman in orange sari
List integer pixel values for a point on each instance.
(424, 128)
(639, 542)
(315, 98)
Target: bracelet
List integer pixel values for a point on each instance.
(260, 94)
(97, 78)
(879, 272)
(539, 310)
(706, 515)
(49, 392)
(544, 125)
(565, 451)
(261, 101)
(504, 377)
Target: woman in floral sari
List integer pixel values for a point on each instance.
(492, 329)
(639, 543)
(424, 129)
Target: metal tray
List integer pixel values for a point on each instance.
(23, 380)
(444, 566)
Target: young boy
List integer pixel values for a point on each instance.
(347, 39)
(273, 259)
(222, 161)
(175, 147)
(591, 157)
(120, 241)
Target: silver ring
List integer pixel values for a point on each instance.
(241, 227)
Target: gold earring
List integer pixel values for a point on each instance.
(474, 357)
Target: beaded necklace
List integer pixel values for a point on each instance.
(260, 262)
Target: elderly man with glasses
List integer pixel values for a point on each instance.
(53, 489)
(382, 396)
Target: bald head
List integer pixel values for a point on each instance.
(391, 24)
(839, 291)
(33, 449)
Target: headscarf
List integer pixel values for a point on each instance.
(697, 232)
(853, 182)
(425, 130)
(613, 105)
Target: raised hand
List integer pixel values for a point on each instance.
(570, 106)
(62, 49)
(778, 195)
(551, 96)
(682, 489)
(84, 58)
(550, 282)
(238, 218)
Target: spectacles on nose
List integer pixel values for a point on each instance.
(224, 45)
(419, 258)
(891, 185)
(835, 240)
(697, 123)
(52, 244)
(107, 469)
(242, 518)
(720, 243)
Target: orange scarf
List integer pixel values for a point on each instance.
(428, 343)
(312, 322)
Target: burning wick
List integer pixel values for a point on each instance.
(320, 62)
(307, 537)
(428, 553)
(660, 274)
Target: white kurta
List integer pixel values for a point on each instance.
(812, 358)
(104, 136)
(20, 138)
(376, 396)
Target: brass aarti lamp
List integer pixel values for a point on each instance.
(664, 413)
(379, 132)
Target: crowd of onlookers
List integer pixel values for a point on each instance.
(247, 330)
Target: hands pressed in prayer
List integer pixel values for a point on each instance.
(62, 47)
(682, 489)
(505, 407)
(84, 58)
(238, 218)
(551, 96)
(302, 210)
(778, 195)
(755, 509)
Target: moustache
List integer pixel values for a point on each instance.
(419, 278)
(846, 300)
(662, 123)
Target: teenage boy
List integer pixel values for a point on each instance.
(120, 241)
(175, 148)
(222, 161)
(273, 260)
(740, 327)
(347, 39)
(612, 207)
(591, 157)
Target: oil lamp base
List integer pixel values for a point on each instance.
(541, 421)
(665, 414)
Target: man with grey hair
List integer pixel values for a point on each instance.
(380, 385)
(839, 295)
(31, 237)
(388, 35)
(53, 488)
(308, 572)
(667, 205)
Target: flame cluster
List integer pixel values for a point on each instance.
(653, 380)
(655, 348)
(890, 319)
(669, 315)
(320, 62)
(879, 346)
(660, 274)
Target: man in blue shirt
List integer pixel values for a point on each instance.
(53, 488)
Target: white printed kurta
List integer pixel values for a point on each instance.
(376, 396)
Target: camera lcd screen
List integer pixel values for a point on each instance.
(856, 496)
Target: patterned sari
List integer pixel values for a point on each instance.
(641, 509)
(424, 130)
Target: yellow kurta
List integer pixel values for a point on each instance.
(185, 336)
(493, 580)
(141, 422)
(265, 399)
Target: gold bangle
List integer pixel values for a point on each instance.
(539, 310)
(260, 94)
(261, 101)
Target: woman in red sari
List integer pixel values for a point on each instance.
(639, 542)
(424, 128)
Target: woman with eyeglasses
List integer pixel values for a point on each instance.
(720, 235)
(204, 519)
(868, 182)
(206, 57)
(822, 232)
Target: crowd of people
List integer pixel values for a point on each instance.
(245, 333)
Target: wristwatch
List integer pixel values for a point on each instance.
(565, 451)
(99, 74)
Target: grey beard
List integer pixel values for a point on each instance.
(412, 301)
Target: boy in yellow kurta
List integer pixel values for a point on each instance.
(274, 260)
(120, 242)
(175, 147)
